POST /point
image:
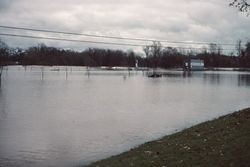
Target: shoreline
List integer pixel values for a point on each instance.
(124, 68)
(220, 142)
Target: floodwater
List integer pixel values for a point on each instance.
(53, 116)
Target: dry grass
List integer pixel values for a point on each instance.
(221, 142)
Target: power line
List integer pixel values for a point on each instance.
(110, 37)
(70, 40)
(88, 41)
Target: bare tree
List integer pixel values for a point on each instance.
(3, 54)
(204, 50)
(156, 50)
(212, 48)
(1, 70)
(146, 49)
(154, 53)
(239, 47)
(219, 49)
(242, 5)
(1, 67)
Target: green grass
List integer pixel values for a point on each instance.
(221, 142)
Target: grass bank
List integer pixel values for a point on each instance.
(221, 142)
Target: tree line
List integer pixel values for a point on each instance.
(154, 56)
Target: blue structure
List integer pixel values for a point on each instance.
(194, 65)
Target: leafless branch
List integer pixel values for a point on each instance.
(242, 5)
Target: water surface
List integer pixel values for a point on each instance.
(53, 116)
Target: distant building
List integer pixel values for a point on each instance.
(194, 65)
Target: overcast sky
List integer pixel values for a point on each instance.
(175, 20)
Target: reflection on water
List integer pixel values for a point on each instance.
(2, 104)
(243, 80)
(212, 78)
(58, 116)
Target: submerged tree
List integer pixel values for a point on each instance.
(242, 5)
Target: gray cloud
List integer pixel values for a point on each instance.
(4, 5)
(182, 20)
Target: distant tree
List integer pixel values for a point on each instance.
(131, 59)
(245, 57)
(238, 47)
(248, 48)
(242, 5)
(171, 58)
(212, 48)
(4, 52)
(153, 54)
(204, 50)
(146, 50)
(156, 50)
(219, 50)
(156, 56)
